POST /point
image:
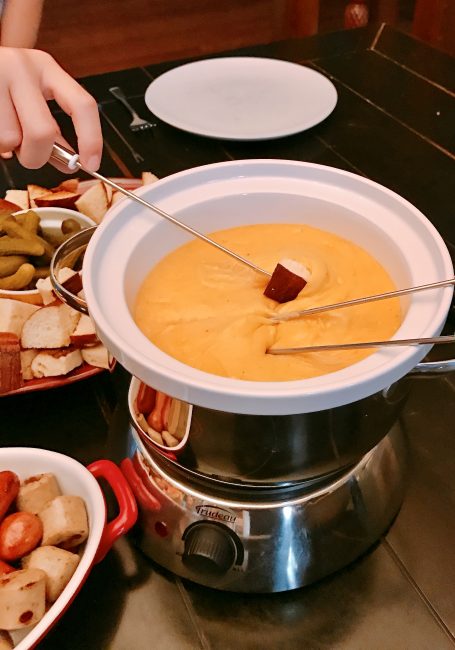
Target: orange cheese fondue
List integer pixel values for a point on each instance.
(207, 310)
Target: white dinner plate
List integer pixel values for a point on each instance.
(241, 98)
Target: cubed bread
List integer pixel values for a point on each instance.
(116, 196)
(22, 598)
(58, 565)
(109, 192)
(35, 191)
(97, 356)
(13, 315)
(50, 327)
(85, 333)
(44, 286)
(56, 363)
(36, 492)
(57, 199)
(148, 178)
(94, 202)
(64, 521)
(19, 197)
(27, 357)
(68, 185)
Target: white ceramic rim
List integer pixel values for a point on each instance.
(371, 375)
(67, 214)
(288, 98)
(48, 461)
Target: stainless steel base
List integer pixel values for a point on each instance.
(267, 540)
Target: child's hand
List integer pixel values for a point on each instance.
(27, 79)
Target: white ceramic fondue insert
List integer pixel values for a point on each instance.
(131, 240)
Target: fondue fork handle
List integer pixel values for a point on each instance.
(71, 160)
(292, 315)
(367, 344)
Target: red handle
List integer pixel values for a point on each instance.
(126, 502)
(142, 494)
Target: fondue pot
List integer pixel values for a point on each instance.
(131, 240)
(265, 452)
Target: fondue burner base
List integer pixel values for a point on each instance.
(262, 541)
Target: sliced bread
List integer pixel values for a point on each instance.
(19, 197)
(13, 314)
(27, 357)
(97, 356)
(44, 286)
(50, 327)
(85, 333)
(94, 202)
(54, 363)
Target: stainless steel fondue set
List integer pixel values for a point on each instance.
(272, 485)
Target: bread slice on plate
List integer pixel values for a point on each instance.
(148, 178)
(35, 191)
(13, 315)
(53, 363)
(94, 202)
(85, 333)
(19, 197)
(97, 356)
(50, 327)
(44, 285)
(27, 357)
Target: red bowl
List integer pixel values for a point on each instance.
(75, 479)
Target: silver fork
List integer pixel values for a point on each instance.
(138, 124)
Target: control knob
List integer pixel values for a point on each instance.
(210, 548)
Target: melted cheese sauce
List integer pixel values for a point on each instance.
(208, 311)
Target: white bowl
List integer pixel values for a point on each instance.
(50, 221)
(132, 239)
(75, 479)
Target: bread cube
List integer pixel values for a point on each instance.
(13, 315)
(49, 327)
(55, 363)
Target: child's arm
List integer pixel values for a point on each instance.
(20, 22)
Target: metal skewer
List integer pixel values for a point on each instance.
(71, 160)
(292, 315)
(366, 344)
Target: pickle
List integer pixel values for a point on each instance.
(14, 229)
(18, 246)
(70, 226)
(40, 261)
(56, 238)
(20, 279)
(41, 273)
(3, 218)
(10, 263)
(30, 221)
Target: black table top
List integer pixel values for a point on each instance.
(394, 123)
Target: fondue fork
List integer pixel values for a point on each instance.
(70, 160)
(292, 315)
(367, 344)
